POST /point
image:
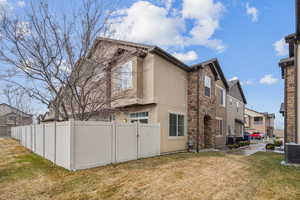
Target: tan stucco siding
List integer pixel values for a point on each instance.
(170, 93)
(251, 127)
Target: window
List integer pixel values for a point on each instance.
(140, 117)
(176, 125)
(220, 127)
(221, 96)
(258, 120)
(125, 80)
(207, 86)
(12, 118)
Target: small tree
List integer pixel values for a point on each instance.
(18, 99)
(64, 65)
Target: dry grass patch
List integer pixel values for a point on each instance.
(211, 175)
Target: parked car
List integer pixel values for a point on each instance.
(256, 136)
(246, 136)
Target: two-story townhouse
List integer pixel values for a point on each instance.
(207, 92)
(10, 116)
(259, 122)
(189, 102)
(236, 102)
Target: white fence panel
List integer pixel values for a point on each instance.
(50, 141)
(126, 142)
(28, 137)
(92, 144)
(81, 145)
(39, 140)
(62, 152)
(23, 135)
(33, 143)
(149, 140)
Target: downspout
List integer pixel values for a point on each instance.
(198, 107)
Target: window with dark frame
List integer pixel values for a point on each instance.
(221, 96)
(258, 120)
(176, 125)
(207, 86)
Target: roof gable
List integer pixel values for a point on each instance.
(146, 48)
(216, 69)
(235, 90)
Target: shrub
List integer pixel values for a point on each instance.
(244, 143)
(278, 143)
(233, 146)
(270, 146)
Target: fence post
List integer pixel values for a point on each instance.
(113, 142)
(54, 149)
(72, 143)
(137, 140)
(44, 140)
(34, 137)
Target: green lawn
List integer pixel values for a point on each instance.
(214, 175)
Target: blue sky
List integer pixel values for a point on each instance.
(240, 33)
(247, 29)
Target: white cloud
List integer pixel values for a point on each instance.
(268, 80)
(147, 23)
(21, 4)
(281, 47)
(186, 57)
(253, 12)
(206, 15)
(165, 26)
(245, 82)
(234, 78)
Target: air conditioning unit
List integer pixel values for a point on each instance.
(292, 153)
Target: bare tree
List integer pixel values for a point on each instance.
(65, 66)
(19, 100)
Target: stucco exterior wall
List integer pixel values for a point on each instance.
(166, 93)
(170, 93)
(250, 126)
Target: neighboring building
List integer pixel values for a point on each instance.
(291, 73)
(236, 102)
(189, 102)
(10, 116)
(259, 122)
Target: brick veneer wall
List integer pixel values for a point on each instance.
(290, 114)
(208, 107)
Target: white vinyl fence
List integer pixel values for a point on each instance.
(78, 145)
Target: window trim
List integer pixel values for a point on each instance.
(138, 118)
(121, 81)
(184, 124)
